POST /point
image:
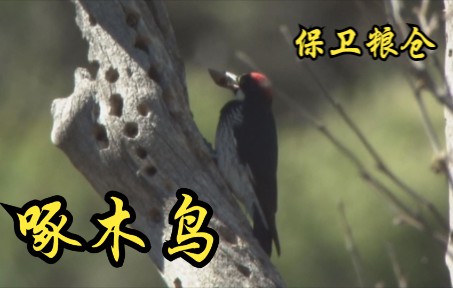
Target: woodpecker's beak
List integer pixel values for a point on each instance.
(225, 79)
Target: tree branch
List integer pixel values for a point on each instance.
(449, 123)
(128, 127)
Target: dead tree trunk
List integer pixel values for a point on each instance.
(128, 127)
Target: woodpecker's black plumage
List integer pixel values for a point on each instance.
(246, 137)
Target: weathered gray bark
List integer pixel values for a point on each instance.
(128, 127)
(449, 123)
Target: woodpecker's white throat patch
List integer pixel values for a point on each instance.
(239, 95)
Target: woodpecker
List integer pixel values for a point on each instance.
(247, 150)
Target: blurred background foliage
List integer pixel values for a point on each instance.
(40, 46)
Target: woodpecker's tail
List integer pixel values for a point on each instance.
(266, 234)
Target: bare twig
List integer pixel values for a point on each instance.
(242, 56)
(351, 247)
(424, 81)
(427, 123)
(380, 164)
(399, 275)
(419, 67)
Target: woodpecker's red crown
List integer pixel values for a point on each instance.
(256, 85)
(261, 79)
